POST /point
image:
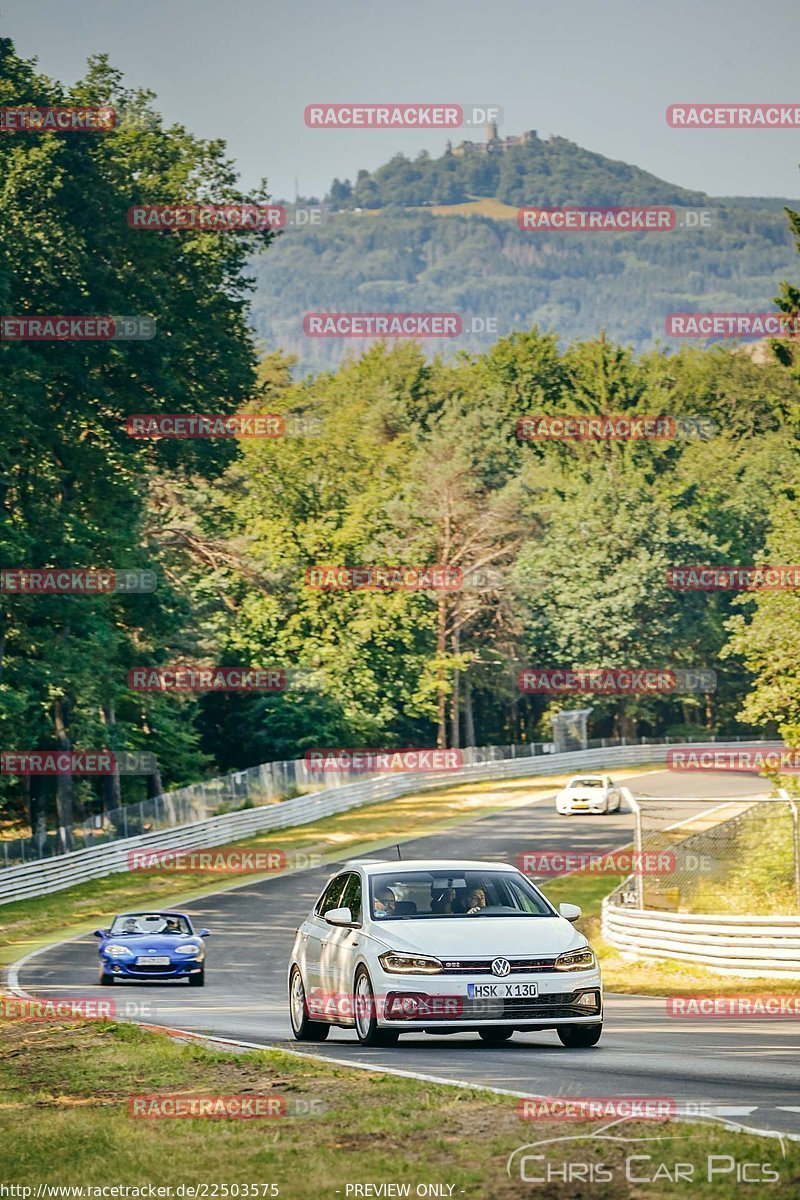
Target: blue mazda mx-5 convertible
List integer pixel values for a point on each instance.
(148, 945)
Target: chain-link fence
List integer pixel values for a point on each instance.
(268, 783)
(739, 856)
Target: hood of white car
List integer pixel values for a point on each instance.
(481, 937)
(584, 793)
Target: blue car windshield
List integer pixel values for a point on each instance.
(130, 924)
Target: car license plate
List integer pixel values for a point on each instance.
(152, 960)
(499, 991)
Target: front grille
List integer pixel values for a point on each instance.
(483, 966)
(150, 969)
(551, 1004)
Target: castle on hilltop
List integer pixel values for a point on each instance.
(493, 144)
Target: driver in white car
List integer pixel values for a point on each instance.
(476, 900)
(385, 902)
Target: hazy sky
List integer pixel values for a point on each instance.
(599, 72)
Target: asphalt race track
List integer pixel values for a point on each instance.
(745, 1071)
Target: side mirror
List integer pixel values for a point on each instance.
(339, 916)
(570, 912)
(101, 933)
(204, 933)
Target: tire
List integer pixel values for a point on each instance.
(198, 980)
(303, 1029)
(368, 1031)
(579, 1036)
(495, 1036)
(105, 980)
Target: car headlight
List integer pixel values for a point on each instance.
(576, 960)
(409, 964)
(118, 951)
(187, 949)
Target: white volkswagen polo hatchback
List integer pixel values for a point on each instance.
(441, 947)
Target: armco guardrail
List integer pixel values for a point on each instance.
(54, 874)
(730, 944)
(766, 947)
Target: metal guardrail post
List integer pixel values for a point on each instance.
(638, 877)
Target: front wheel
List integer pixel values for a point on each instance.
(303, 1029)
(105, 980)
(495, 1036)
(579, 1036)
(366, 1019)
(198, 980)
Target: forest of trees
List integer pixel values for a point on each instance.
(410, 459)
(381, 247)
(552, 171)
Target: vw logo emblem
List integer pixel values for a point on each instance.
(501, 966)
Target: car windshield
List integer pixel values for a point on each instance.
(576, 783)
(152, 923)
(425, 895)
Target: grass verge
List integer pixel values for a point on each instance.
(65, 1120)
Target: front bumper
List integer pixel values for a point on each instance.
(445, 1002)
(122, 969)
(574, 806)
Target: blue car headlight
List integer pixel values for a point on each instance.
(114, 951)
(189, 948)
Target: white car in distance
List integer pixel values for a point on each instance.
(442, 947)
(589, 793)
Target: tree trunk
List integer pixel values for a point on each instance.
(112, 790)
(469, 723)
(37, 806)
(455, 700)
(441, 648)
(64, 790)
(154, 786)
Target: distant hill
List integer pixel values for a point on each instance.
(440, 234)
